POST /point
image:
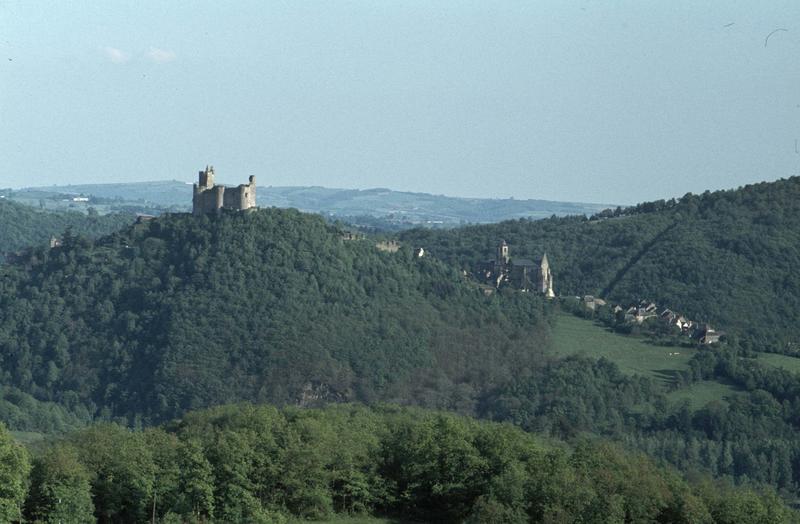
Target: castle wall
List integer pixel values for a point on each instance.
(208, 198)
(233, 198)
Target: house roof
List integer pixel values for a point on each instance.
(522, 262)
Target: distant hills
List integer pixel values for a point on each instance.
(380, 207)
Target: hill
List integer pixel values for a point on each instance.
(727, 257)
(22, 226)
(184, 312)
(371, 207)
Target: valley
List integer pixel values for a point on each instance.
(160, 322)
(399, 262)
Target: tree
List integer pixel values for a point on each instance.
(196, 482)
(122, 472)
(60, 488)
(14, 470)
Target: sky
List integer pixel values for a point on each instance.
(611, 102)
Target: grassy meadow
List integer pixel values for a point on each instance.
(636, 355)
(633, 355)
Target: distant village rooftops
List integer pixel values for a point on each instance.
(646, 310)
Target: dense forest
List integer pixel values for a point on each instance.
(271, 305)
(751, 437)
(180, 313)
(255, 464)
(727, 257)
(22, 226)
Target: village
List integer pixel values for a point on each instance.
(647, 312)
(526, 275)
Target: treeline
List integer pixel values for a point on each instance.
(751, 436)
(258, 464)
(184, 312)
(22, 226)
(726, 257)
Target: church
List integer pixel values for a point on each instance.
(519, 273)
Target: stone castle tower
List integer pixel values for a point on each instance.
(210, 198)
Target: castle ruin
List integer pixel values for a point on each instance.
(210, 198)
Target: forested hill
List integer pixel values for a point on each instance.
(269, 305)
(22, 226)
(728, 257)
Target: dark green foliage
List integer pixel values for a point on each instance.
(123, 471)
(14, 469)
(576, 395)
(184, 312)
(258, 464)
(22, 226)
(60, 488)
(751, 437)
(728, 257)
(22, 412)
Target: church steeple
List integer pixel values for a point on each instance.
(502, 253)
(546, 278)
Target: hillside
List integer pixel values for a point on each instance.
(727, 257)
(184, 312)
(633, 355)
(271, 305)
(257, 464)
(383, 207)
(22, 226)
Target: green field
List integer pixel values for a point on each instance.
(633, 355)
(780, 361)
(701, 393)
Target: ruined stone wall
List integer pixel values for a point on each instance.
(233, 198)
(209, 198)
(241, 197)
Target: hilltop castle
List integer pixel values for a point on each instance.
(521, 273)
(209, 198)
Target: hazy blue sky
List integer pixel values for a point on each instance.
(570, 100)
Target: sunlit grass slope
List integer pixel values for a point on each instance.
(633, 355)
